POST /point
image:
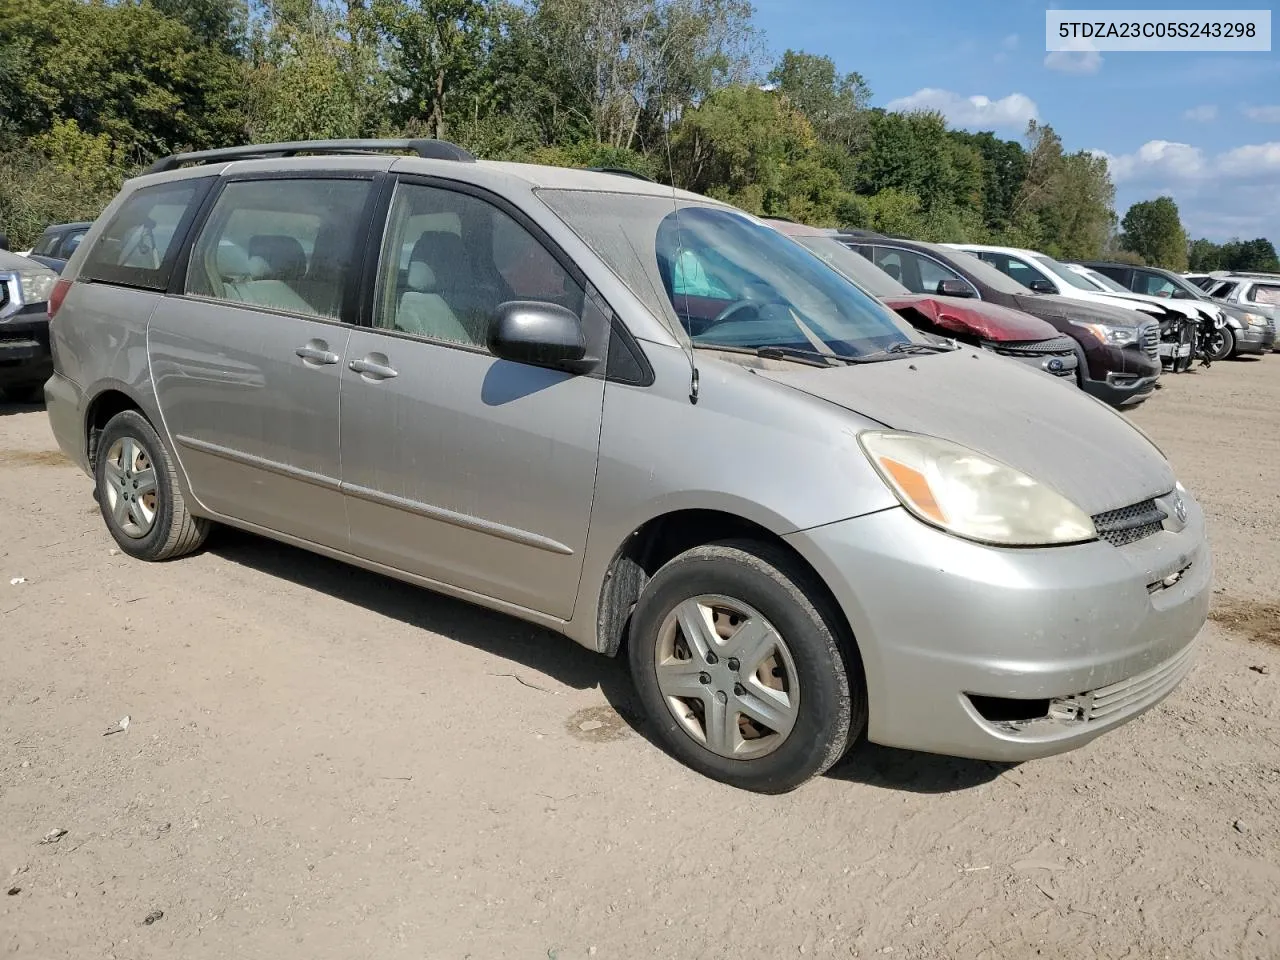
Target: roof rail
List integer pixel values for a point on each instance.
(621, 172)
(428, 149)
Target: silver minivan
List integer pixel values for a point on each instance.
(641, 418)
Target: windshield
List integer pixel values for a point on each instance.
(978, 269)
(854, 266)
(1105, 282)
(1066, 274)
(724, 278)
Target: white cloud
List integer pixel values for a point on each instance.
(1232, 193)
(1168, 162)
(976, 111)
(1074, 61)
(1263, 114)
(1203, 114)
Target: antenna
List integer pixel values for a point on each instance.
(675, 206)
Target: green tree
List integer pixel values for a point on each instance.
(1203, 256)
(835, 105)
(1256, 254)
(1153, 230)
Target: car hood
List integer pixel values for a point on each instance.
(1173, 306)
(1022, 417)
(990, 321)
(1090, 311)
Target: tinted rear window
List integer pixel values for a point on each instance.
(139, 245)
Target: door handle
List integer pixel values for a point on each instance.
(317, 352)
(373, 369)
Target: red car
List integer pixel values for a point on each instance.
(957, 316)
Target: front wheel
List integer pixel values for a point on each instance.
(737, 659)
(137, 492)
(1221, 344)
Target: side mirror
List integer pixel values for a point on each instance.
(540, 334)
(954, 288)
(1043, 286)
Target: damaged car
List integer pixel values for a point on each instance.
(959, 317)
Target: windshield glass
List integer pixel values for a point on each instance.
(978, 269)
(724, 278)
(1105, 282)
(854, 266)
(1070, 276)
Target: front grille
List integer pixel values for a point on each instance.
(1034, 348)
(1130, 524)
(1150, 337)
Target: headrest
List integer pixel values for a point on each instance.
(283, 254)
(421, 276)
(232, 261)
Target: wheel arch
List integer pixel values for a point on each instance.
(663, 537)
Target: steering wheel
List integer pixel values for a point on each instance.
(737, 306)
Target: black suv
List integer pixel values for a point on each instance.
(1246, 332)
(1118, 349)
(25, 363)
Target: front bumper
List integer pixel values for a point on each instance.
(1119, 389)
(1090, 631)
(24, 347)
(1255, 339)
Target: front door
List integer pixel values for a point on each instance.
(246, 363)
(457, 466)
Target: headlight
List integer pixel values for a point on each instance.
(1255, 320)
(1117, 336)
(972, 496)
(36, 287)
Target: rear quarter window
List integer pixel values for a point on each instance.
(140, 244)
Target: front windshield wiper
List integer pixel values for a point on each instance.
(910, 346)
(811, 357)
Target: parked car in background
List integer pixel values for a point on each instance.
(1001, 330)
(1039, 272)
(1201, 280)
(25, 362)
(628, 413)
(1255, 292)
(1246, 331)
(1119, 351)
(60, 240)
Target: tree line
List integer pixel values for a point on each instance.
(678, 90)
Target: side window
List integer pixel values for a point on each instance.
(1014, 269)
(279, 244)
(933, 273)
(890, 261)
(140, 244)
(1224, 290)
(69, 243)
(449, 259)
(44, 247)
(1266, 293)
(1152, 284)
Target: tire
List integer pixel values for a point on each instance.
(1226, 347)
(148, 523)
(822, 700)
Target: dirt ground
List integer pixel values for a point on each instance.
(322, 763)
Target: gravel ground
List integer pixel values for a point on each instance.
(322, 763)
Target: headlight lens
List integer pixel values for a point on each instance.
(1117, 336)
(36, 287)
(972, 496)
(1255, 320)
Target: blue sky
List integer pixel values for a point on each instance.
(1203, 128)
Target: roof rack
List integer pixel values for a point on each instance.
(621, 172)
(428, 149)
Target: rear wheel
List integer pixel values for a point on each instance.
(137, 492)
(736, 657)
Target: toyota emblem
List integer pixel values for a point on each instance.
(1180, 508)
